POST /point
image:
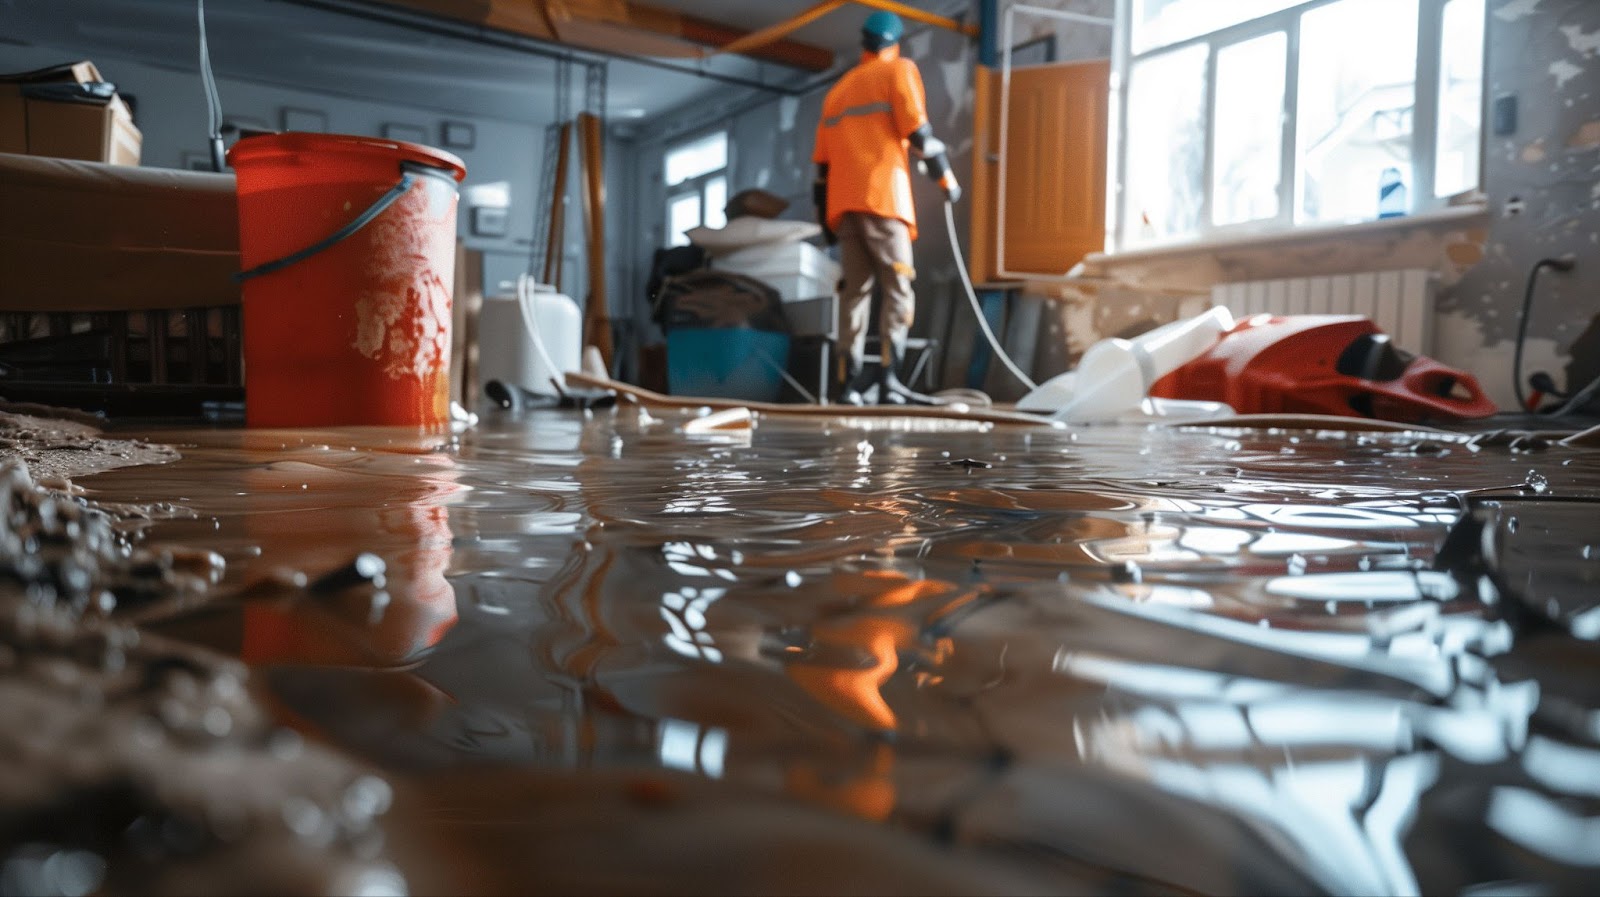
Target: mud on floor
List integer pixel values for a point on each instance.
(598, 654)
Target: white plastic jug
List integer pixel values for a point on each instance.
(531, 340)
(1115, 375)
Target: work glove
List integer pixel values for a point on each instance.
(936, 162)
(952, 189)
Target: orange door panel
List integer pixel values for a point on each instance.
(1055, 171)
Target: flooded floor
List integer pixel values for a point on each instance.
(601, 655)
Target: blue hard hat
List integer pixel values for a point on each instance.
(881, 29)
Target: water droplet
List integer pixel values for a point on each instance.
(1538, 482)
(791, 579)
(218, 722)
(366, 799)
(1512, 525)
(1297, 564)
(303, 817)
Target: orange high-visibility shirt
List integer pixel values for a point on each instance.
(866, 119)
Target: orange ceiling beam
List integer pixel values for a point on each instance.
(621, 26)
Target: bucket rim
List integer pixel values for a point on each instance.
(250, 149)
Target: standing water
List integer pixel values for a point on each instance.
(597, 654)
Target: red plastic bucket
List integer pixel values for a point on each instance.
(348, 246)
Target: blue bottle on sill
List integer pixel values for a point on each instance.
(1393, 200)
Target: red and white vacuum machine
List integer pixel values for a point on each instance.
(1324, 364)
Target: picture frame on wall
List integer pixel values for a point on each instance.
(407, 133)
(458, 135)
(314, 121)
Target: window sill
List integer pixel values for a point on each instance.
(1448, 240)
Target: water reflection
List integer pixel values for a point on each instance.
(1120, 659)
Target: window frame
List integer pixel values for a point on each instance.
(697, 185)
(1424, 134)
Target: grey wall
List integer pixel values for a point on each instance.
(1543, 185)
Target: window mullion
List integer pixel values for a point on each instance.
(1117, 196)
(1289, 169)
(1425, 115)
(1208, 167)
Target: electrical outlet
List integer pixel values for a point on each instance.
(1505, 115)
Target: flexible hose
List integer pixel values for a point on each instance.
(525, 306)
(208, 80)
(977, 308)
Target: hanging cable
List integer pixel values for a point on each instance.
(977, 308)
(1564, 263)
(213, 99)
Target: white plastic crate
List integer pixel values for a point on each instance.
(798, 271)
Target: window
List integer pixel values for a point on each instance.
(696, 175)
(1267, 114)
(1248, 167)
(1166, 142)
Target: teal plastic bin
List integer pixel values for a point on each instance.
(727, 363)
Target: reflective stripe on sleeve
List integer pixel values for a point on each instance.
(866, 109)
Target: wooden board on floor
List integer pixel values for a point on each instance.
(923, 412)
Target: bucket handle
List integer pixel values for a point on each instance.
(407, 172)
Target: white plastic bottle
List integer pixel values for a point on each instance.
(529, 339)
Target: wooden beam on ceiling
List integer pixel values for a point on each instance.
(776, 32)
(906, 11)
(621, 26)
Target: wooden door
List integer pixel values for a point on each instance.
(1055, 206)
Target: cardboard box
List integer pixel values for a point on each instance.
(42, 114)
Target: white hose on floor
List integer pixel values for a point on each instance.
(972, 297)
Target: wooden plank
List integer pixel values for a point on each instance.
(617, 26)
(953, 412)
(556, 240)
(772, 33)
(596, 312)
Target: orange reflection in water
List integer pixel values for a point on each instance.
(402, 519)
(855, 692)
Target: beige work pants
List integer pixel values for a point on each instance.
(874, 250)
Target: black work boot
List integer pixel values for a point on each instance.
(890, 390)
(856, 383)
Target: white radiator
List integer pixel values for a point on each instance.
(1401, 303)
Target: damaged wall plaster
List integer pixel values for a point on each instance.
(1543, 185)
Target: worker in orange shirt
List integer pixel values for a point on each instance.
(871, 121)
